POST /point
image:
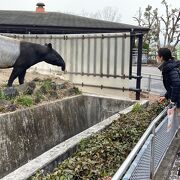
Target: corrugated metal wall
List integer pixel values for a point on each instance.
(97, 59)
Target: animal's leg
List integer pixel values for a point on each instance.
(21, 77)
(15, 73)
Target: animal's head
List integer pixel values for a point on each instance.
(52, 57)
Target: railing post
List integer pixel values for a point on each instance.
(139, 63)
(132, 42)
(152, 153)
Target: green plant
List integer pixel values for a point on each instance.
(24, 101)
(76, 90)
(136, 107)
(1, 95)
(145, 45)
(102, 154)
(45, 87)
(38, 96)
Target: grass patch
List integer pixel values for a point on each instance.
(24, 101)
(136, 107)
(46, 86)
(1, 95)
(34, 93)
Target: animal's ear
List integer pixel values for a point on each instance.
(49, 45)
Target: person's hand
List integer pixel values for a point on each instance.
(170, 111)
(161, 99)
(171, 102)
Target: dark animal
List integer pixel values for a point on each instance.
(22, 55)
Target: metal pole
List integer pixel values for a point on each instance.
(122, 56)
(76, 56)
(95, 49)
(152, 153)
(108, 56)
(101, 57)
(82, 56)
(132, 39)
(139, 62)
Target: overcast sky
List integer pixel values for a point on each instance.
(127, 8)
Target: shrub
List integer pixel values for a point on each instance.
(24, 101)
(38, 96)
(136, 107)
(46, 87)
(76, 90)
(1, 95)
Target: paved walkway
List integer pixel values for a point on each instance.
(170, 167)
(175, 172)
(156, 84)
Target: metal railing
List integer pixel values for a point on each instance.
(148, 80)
(92, 54)
(135, 55)
(145, 158)
(99, 59)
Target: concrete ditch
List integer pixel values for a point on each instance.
(53, 129)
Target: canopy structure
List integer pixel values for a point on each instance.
(33, 22)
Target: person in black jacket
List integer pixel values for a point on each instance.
(171, 77)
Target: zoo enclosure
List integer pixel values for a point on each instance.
(102, 60)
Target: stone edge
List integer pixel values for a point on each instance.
(51, 155)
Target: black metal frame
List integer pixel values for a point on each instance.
(133, 36)
(138, 76)
(139, 64)
(29, 29)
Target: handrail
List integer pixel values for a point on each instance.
(123, 168)
(157, 75)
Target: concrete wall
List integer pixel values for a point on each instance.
(28, 133)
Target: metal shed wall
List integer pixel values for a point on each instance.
(93, 59)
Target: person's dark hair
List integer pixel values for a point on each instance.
(165, 53)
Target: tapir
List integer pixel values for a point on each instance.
(21, 55)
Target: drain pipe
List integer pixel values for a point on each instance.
(122, 170)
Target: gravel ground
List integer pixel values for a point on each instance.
(30, 75)
(37, 89)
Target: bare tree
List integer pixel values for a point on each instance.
(139, 18)
(108, 13)
(167, 25)
(172, 26)
(150, 20)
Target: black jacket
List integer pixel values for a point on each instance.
(171, 80)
